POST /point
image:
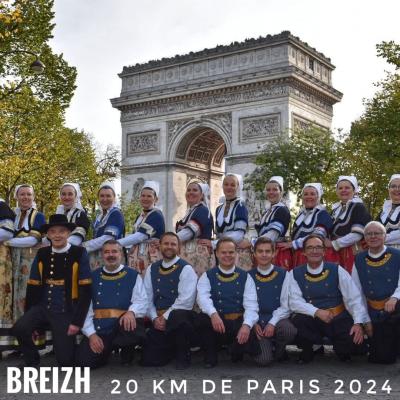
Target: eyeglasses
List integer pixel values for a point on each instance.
(372, 234)
(314, 248)
(394, 187)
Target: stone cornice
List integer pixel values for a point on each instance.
(234, 47)
(296, 87)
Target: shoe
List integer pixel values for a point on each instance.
(306, 356)
(209, 365)
(282, 357)
(300, 361)
(320, 350)
(236, 357)
(21, 367)
(14, 354)
(344, 357)
(127, 356)
(181, 365)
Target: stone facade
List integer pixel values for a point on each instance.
(198, 115)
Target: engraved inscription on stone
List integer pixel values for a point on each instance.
(143, 143)
(261, 127)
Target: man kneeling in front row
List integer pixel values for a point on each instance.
(326, 302)
(115, 317)
(273, 329)
(170, 285)
(377, 273)
(227, 297)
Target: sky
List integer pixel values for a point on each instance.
(99, 37)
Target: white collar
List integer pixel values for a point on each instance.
(269, 205)
(229, 271)
(377, 255)
(63, 250)
(265, 271)
(339, 204)
(315, 271)
(115, 270)
(168, 264)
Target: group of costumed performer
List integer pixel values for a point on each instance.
(20, 240)
(21, 234)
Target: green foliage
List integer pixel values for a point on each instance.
(390, 51)
(131, 210)
(306, 156)
(35, 145)
(26, 26)
(371, 151)
(375, 138)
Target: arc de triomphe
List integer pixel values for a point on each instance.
(201, 114)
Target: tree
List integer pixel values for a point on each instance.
(35, 145)
(131, 209)
(377, 133)
(26, 27)
(306, 156)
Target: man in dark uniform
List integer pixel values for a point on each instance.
(57, 296)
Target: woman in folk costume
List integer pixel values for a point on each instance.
(7, 218)
(275, 221)
(109, 224)
(231, 218)
(390, 214)
(71, 207)
(195, 228)
(349, 218)
(313, 219)
(147, 230)
(25, 244)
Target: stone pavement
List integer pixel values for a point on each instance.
(244, 380)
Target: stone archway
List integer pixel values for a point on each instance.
(198, 154)
(183, 115)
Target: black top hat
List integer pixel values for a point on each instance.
(58, 220)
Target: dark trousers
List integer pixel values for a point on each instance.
(311, 331)
(384, 343)
(160, 347)
(38, 317)
(119, 338)
(212, 341)
(274, 348)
